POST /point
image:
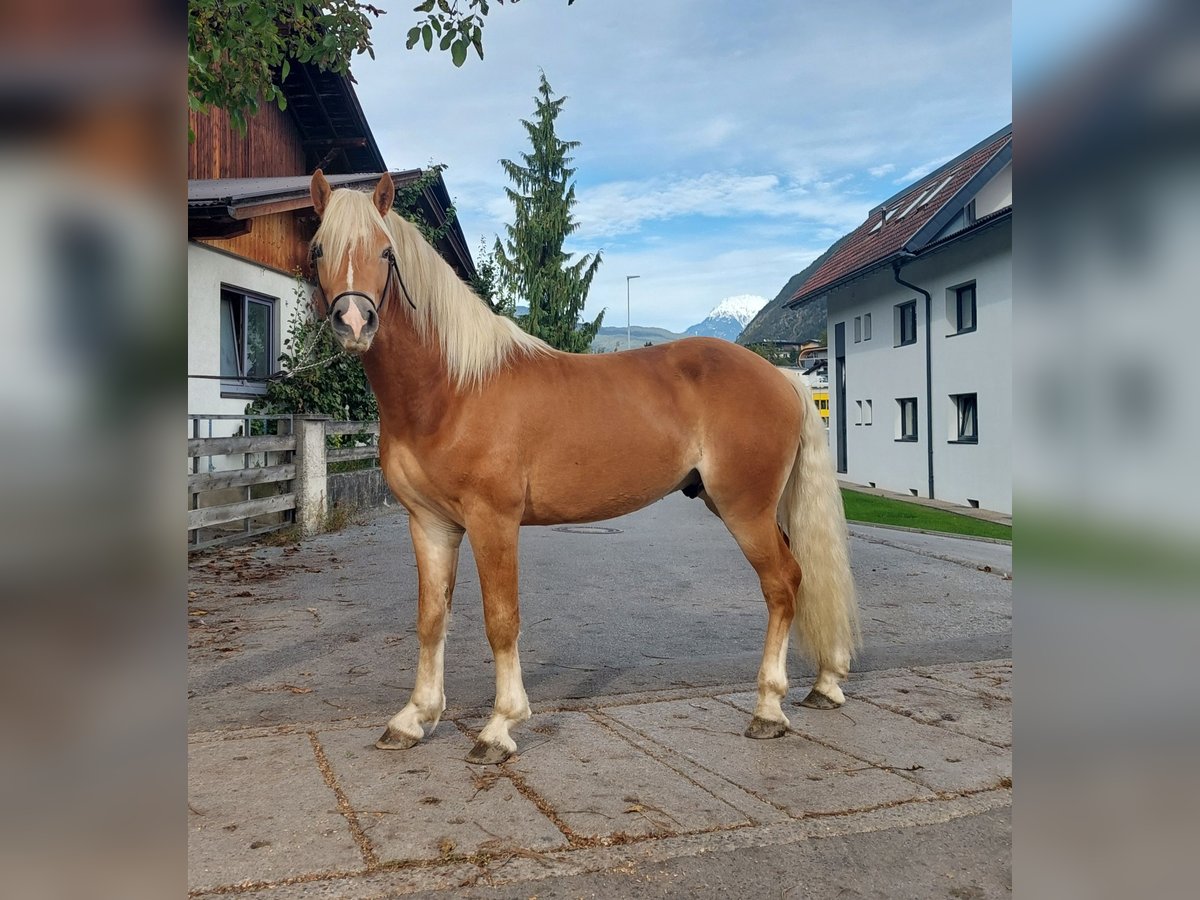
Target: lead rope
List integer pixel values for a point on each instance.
(320, 363)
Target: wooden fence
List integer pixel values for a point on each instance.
(267, 474)
(363, 441)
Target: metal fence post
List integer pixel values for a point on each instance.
(309, 485)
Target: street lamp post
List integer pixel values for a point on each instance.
(628, 278)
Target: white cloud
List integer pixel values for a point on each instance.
(716, 132)
(880, 171)
(622, 207)
(925, 168)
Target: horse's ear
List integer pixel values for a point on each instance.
(385, 194)
(320, 191)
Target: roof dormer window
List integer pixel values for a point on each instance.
(916, 202)
(937, 190)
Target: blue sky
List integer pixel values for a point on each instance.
(724, 145)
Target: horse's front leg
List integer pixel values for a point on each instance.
(494, 544)
(436, 544)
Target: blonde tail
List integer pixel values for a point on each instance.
(811, 514)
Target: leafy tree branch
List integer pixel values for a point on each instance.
(241, 51)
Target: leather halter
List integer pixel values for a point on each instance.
(377, 308)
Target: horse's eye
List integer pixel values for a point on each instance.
(316, 252)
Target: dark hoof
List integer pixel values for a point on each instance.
(487, 754)
(763, 729)
(817, 700)
(394, 740)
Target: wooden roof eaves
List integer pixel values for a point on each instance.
(265, 204)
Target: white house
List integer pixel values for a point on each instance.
(250, 218)
(920, 335)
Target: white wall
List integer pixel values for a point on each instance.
(996, 194)
(977, 362)
(208, 270)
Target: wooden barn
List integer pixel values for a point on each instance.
(250, 219)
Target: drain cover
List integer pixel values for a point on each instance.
(586, 529)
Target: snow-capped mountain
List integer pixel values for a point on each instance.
(729, 317)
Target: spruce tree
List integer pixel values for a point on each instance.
(531, 261)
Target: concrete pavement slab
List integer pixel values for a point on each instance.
(603, 787)
(797, 776)
(940, 703)
(525, 875)
(971, 860)
(757, 810)
(427, 803)
(935, 757)
(260, 810)
(992, 678)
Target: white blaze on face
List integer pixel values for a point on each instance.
(352, 318)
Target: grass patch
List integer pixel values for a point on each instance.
(338, 517)
(284, 537)
(872, 510)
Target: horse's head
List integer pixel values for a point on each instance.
(353, 259)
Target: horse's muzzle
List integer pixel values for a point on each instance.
(354, 321)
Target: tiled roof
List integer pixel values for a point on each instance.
(892, 226)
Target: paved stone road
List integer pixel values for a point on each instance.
(640, 650)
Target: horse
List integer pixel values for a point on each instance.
(485, 428)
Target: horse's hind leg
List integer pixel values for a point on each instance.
(436, 545)
(779, 575)
(495, 546)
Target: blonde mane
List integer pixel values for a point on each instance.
(475, 342)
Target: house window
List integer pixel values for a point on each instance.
(906, 419)
(247, 342)
(906, 323)
(963, 313)
(867, 327)
(966, 414)
(857, 329)
(867, 412)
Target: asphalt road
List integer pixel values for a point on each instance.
(665, 600)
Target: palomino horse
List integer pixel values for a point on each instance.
(484, 428)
